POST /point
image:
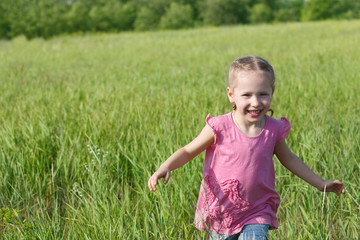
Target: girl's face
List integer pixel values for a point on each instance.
(252, 94)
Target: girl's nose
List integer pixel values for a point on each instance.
(255, 102)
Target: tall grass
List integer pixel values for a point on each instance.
(85, 120)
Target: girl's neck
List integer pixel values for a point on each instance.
(250, 129)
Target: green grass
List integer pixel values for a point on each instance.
(140, 96)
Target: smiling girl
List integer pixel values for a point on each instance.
(237, 198)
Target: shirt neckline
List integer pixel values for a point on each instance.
(262, 130)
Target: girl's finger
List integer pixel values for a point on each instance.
(152, 184)
(149, 186)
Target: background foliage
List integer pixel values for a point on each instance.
(85, 120)
(46, 18)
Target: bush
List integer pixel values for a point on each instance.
(177, 16)
(319, 10)
(218, 12)
(288, 11)
(113, 15)
(4, 19)
(146, 19)
(260, 13)
(77, 18)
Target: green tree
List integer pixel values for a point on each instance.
(289, 10)
(77, 18)
(46, 18)
(347, 9)
(218, 12)
(22, 17)
(177, 16)
(260, 13)
(37, 18)
(146, 19)
(5, 6)
(149, 13)
(112, 15)
(272, 4)
(195, 6)
(159, 7)
(319, 9)
(50, 18)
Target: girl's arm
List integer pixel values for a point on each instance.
(182, 156)
(299, 168)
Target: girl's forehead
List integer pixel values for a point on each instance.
(248, 78)
(252, 74)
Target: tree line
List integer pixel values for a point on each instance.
(46, 18)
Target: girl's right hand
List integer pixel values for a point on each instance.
(160, 173)
(333, 186)
(182, 156)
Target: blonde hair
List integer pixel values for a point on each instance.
(250, 63)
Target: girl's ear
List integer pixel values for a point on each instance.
(230, 94)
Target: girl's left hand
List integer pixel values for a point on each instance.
(335, 186)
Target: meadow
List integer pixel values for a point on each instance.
(86, 119)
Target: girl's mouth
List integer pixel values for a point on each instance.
(254, 113)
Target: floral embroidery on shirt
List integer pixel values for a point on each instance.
(215, 193)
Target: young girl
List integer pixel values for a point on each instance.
(237, 198)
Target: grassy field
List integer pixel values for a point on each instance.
(85, 120)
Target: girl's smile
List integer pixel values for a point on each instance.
(254, 113)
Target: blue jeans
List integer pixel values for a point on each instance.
(249, 232)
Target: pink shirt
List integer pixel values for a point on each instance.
(238, 187)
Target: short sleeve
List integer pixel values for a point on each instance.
(284, 129)
(210, 123)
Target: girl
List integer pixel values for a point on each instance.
(237, 198)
